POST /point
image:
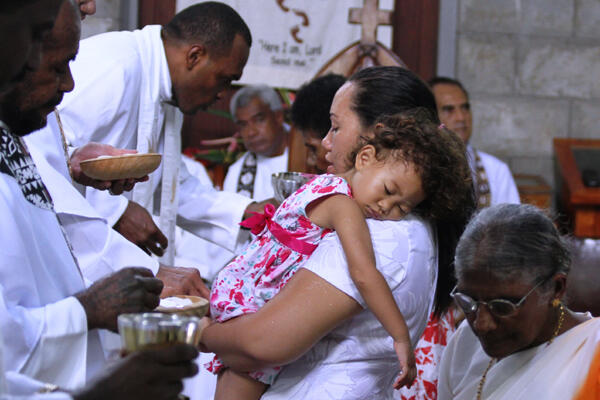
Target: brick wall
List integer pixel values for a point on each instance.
(532, 68)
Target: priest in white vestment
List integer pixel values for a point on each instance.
(127, 83)
(494, 183)
(258, 113)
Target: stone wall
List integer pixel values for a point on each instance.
(111, 15)
(532, 69)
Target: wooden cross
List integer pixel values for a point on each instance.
(370, 16)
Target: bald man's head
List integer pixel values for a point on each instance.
(27, 106)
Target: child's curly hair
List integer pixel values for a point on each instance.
(439, 157)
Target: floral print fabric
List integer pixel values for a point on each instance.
(428, 354)
(265, 266)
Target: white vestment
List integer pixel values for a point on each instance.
(120, 98)
(208, 258)
(503, 188)
(549, 371)
(357, 359)
(99, 249)
(44, 327)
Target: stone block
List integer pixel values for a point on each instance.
(543, 17)
(514, 127)
(587, 15)
(108, 9)
(486, 63)
(488, 16)
(585, 120)
(559, 69)
(94, 25)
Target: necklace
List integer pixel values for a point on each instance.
(482, 381)
(561, 319)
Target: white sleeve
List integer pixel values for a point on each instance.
(329, 261)
(508, 188)
(209, 213)
(41, 339)
(21, 387)
(100, 250)
(109, 207)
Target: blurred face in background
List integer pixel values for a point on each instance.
(23, 26)
(454, 109)
(261, 128)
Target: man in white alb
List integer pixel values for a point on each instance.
(258, 113)
(130, 86)
(494, 183)
(47, 316)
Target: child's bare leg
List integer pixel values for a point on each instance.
(232, 385)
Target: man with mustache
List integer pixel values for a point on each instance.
(494, 184)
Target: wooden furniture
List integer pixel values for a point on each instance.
(533, 189)
(579, 203)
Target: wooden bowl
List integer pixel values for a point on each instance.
(198, 308)
(110, 168)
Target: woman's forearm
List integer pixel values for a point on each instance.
(306, 309)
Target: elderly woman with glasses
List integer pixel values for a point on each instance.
(520, 341)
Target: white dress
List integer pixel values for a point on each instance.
(194, 251)
(357, 359)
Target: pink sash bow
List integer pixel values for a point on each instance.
(258, 221)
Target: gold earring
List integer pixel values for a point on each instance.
(555, 303)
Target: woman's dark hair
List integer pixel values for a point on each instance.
(310, 110)
(385, 91)
(513, 241)
(381, 91)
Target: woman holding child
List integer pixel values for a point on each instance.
(319, 314)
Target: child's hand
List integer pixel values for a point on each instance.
(406, 357)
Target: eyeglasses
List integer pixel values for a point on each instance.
(499, 307)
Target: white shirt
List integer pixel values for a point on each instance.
(193, 251)
(357, 359)
(45, 329)
(503, 188)
(122, 86)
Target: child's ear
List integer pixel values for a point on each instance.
(365, 157)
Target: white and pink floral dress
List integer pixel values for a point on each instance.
(286, 238)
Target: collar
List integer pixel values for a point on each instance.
(165, 90)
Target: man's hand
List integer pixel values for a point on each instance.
(130, 290)
(182, 281)
(137, 226)
(148, 374)
(259, 207)
(93, 150)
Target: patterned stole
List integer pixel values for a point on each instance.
(15, 161)
(245, 184)
(482, 186)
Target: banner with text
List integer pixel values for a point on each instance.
(293, 39)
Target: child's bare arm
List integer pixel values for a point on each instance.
(345, 216)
